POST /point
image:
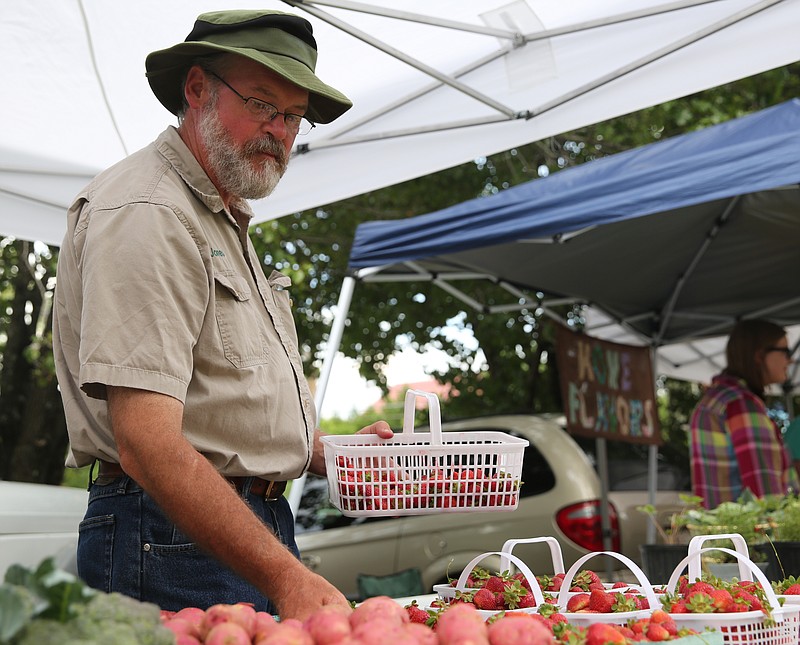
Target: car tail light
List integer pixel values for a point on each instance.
(582, 524)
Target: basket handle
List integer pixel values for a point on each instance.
(740, 546)
(743, 560)
(434, 415)
(555, 551)
(644, 583)
(536, 590)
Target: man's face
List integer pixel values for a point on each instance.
(247, 156)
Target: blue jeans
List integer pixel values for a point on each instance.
(127, 544)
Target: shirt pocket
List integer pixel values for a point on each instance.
(240, 321)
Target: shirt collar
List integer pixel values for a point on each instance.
(175, 151)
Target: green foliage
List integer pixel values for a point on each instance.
(749, 516)
(786, 520)
(48, 606)
(678, 521)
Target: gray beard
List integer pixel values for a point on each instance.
(233, 167)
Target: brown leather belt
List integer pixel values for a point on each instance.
(266, 489)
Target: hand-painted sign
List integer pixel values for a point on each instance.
(607, 388)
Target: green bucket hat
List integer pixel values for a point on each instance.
(279, 41)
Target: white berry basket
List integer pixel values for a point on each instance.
(780, 626)
(582, 619)
(419, 473)
(448, 593)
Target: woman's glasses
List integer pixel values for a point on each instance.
(784, 350)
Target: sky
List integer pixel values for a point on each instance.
(348, 392)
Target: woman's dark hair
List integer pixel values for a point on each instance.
(747, 339)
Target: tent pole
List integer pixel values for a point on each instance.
(652, 463)
(332, 347)
(605, 521)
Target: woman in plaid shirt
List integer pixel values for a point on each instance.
(734, 443)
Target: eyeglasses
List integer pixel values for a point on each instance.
(784, 350)
(263, 111)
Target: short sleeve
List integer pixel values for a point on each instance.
(145, 291)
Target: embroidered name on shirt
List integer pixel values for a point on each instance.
(217, 253)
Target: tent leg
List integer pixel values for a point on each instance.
(605, 521)
(652, 487)
(331, 349)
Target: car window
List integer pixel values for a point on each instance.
(316, 513)
(537, 475)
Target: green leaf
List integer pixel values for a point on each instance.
(17, 608)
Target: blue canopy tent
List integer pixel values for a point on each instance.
(670, 242)
(666, 245)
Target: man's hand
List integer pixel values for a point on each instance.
(304, 593)
(317, 466)
(380, 428)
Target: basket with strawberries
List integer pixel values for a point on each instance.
(745, 612)
(595, 603)
(491, 593)
(417, 473)
(787, 590)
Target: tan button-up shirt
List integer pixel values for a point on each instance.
(159, 289)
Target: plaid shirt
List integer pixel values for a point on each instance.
(735, 445)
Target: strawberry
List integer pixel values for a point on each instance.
(600, 601)
(486, 599)
(578, 602)
(495, 583)
(526, 601)
(793, 590)
(721, 599)
(745, 597)
(603, 634)
(417, 614)
(657, 632)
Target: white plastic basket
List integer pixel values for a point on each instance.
(744, 628)
(418, 473)
(448, 592)
(615, 618)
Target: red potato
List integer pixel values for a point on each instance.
(520, 631)
(378, 607)
(284, 634)
(241, 614)
(377, 630)
(185, 639)
(264, 624)
(229, 633)
(329, 624)
(193, 615)
(461, 624)
(181, 626)
(423, 634)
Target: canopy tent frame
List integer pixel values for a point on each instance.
(516, 40)
(459, 79)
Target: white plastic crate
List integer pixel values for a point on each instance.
(418, 473)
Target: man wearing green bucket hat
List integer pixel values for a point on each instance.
(176, 355)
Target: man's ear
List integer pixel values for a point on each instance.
(196, 88)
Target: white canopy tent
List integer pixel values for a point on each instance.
(435, 84)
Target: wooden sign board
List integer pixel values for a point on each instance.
(607, 388)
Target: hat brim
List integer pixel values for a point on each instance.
(166, 69)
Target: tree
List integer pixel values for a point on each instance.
(33, 438)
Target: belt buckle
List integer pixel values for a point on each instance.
(268, 492)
